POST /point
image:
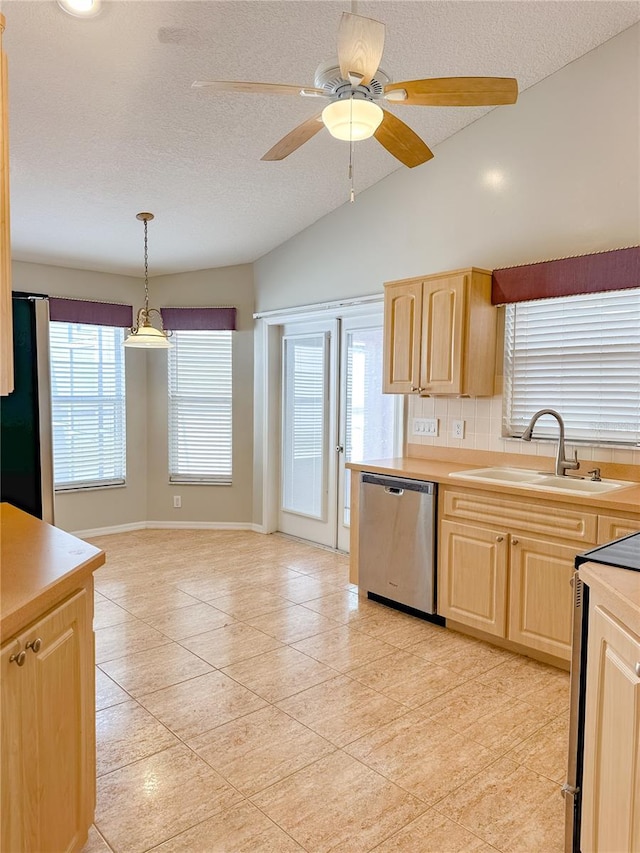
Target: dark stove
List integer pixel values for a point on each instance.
(622, 553)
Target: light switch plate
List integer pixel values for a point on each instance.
(425, 426)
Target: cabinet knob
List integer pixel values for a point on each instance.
(499, 538)
(414, 388)
(18, 658)
(514, 541)
(34, 645)
(638, 669)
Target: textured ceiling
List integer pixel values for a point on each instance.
(104, 122)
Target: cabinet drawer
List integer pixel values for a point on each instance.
(573, 525)
(612, 527)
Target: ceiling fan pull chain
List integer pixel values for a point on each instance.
(352, 195)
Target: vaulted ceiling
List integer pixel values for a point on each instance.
(104, 122)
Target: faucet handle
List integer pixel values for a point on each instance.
(596, 475)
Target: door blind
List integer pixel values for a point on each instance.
(304, 406)
(88, 405)
(200, 407)
(579, 355)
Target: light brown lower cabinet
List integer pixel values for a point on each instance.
(472, 582)
(611, 778)
(508, 586)
(505, 567)
(612, 527)
(48, 730)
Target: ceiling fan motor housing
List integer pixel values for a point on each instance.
(329, 78)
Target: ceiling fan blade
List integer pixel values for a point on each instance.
(399, 140)
(256, 88)
(293, 140)
(454, 92)
(360, 46)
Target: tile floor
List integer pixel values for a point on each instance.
(248, 700)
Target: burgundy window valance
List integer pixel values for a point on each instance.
(94, 313)
(199, 319)
(618, 269)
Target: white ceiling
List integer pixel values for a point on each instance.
(104, 123)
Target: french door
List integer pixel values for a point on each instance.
(332, 411)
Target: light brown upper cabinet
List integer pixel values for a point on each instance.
(440, 334)
(6, 323)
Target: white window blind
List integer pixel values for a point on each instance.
(200, 407)
(88, 405)
(304, 417)
(579, 355)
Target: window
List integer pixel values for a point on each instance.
(200, 406)
(581, 356)
(88, 405)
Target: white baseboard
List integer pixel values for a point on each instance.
(105, 531)
(168, 525)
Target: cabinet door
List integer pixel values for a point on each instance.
(540, 596)
(442, 335)
(611, 781)
(402, 316)
(472, 576)
(14, 776)
(62, 727)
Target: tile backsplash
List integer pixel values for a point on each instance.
(483, 430)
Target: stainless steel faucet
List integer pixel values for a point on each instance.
(562, 464)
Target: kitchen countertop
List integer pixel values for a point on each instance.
(443, 471)
(619, 589)
(40, 566)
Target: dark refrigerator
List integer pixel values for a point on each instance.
(25, 415)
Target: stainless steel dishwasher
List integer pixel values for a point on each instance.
(397, 540)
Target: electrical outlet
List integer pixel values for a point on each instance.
(457, 429)
(177, 501)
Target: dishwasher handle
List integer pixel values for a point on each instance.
(397, 485)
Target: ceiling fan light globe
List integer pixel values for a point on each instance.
(352, 119)
(81, 8)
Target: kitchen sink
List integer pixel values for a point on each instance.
(542, 481)
(502, 475)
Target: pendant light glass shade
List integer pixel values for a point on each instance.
(352, 119)
(144, 335)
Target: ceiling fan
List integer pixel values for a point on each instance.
(356, 84)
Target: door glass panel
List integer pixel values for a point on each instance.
(369, 414)
(304, 424)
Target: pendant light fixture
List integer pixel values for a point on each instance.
(143, 334)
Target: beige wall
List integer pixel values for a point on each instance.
(110, 507)
(558, 174)
(224, 286)
(147, 495)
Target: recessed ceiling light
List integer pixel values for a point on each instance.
(80, 8)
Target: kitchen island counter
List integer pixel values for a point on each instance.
(40, 565)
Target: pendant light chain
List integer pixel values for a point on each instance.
(143, 332)
(146, 268)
